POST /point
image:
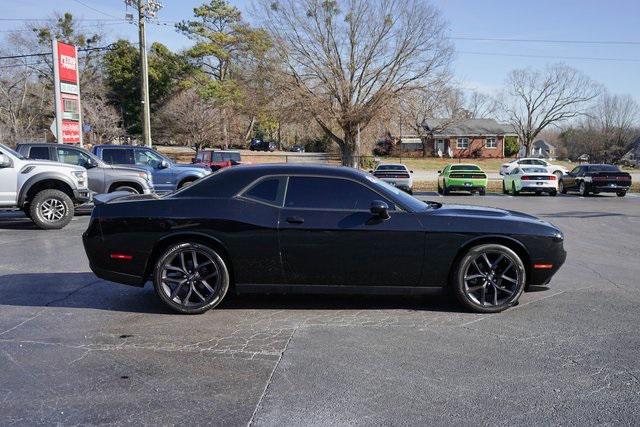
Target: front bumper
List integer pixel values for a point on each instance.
(82, 196)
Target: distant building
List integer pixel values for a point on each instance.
(467, 138)
(542, 149)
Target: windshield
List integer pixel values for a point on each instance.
(404, 198)
(391, 168)
(534, 170)
(10, 151)
(465, 168)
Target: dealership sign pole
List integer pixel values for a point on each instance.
(68, 121)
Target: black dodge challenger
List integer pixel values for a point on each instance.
(310, 229)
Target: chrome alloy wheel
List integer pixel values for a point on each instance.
(191, 278)
(53, 210)
(492, 279)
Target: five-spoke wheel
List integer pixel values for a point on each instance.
(489, 278)
(191, 278)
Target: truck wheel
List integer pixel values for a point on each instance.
(51, 209)
(127, 188)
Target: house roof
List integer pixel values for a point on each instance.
(541, 142)
(467, 127)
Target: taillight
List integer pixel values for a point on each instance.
(553, 178)
(526, 178)
(119, 256)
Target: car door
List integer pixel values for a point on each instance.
(164, 178)
(569, 180)
(328, 236)
(8, 181)
(73, 156)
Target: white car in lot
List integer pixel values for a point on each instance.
(395, 174)
(531, 179)
(557, 170)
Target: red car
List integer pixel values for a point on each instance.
(217, 159)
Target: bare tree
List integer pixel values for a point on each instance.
(348, 58)
(537, 99)
(193, 120)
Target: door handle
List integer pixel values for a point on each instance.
(295, 220)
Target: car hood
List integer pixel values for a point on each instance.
(189, 166)
(131, 169)
(487, 213)
(50, 163)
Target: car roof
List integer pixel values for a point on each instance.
(298, 168)
(392, 164)
(49, 144)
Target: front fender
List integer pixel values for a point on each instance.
(39, 177)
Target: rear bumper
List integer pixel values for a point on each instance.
(403, 184)
(533, 187)
(114, 276)
(609, 188)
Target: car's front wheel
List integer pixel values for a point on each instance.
(51, 209)
(583, 189)
(489, 278)
(562, 188)
(621, 193)
(191, 278)
(513, 189)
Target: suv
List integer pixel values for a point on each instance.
(217, 159)
(46, 191)
(259, 145)
(103, 178)
(558, 171)
(167, 175)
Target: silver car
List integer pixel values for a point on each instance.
(395, 174)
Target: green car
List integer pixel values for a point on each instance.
(462, 177)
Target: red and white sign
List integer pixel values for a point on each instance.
(67, 90)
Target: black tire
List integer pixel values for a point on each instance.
(621, 193)
(127, 188)
(482, 191)
(513, 189)
(51, 209)
(410, 191)
(186, 182)
(197, 278)
(562, 188)
(583, 189)
(445, 190)
(553, 193)
(439, 188)
(469, 289)
(504, 188)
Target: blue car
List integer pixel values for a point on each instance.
(167, 175)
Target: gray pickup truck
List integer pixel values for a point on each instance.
(103, 178)
(46, 191)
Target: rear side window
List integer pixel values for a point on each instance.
(270, 190)
(116, 156)
(330, 193)
(39, 153)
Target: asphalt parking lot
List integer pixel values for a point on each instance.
(75, 349)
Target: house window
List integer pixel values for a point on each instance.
(491, 142)
(463, 143)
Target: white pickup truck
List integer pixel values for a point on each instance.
(46, 191)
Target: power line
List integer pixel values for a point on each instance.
(26, 30)
(31, 55)
(601, 42)
(522, 55)
(96, 10)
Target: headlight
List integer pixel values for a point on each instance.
(558, 236)
(81, 177)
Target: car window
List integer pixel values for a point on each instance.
(270, 190)
(216, 157)
(534, 170)
(118, 156)
(465, 168)
(202, 156)
(330, 193)
(72, 157)
(539, 162)
(603, 168)
(575, 170)
(148, 158)
(391, 168)
(39, 153)
(516, 171)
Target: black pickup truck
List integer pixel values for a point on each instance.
(587, 179)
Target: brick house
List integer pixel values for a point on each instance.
(467, 138)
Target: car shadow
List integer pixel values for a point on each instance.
(85, 290)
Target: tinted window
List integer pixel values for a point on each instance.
(329, 193)
(39, 153)
(539, 162)
(270, 190)
(603, 168)
(115, 156)
(534, 170)
(465, 168)
(575, 170)
(391, 168)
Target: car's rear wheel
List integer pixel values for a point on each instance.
(513, 189)
(439, 188)
(51, 209)
(445, 190)
(191, 278)
(482, 191)
(504, 188)
(489, 278)
(553, 193)
(621, 193)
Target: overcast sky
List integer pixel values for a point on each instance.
(479, 64)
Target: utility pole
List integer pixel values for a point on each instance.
(146, 9)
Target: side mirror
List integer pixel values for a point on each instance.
(370, 171)
(440, 172)
(91, 163)
(5, 162)
(380, 209)
(410, 171)
(163, 164)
